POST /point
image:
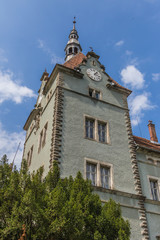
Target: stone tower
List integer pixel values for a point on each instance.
(81, 120)
(73, 46)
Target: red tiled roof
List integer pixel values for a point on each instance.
(75, 61)
(118, 85)
(143, 142)
(78, 58)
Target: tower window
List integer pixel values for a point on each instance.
(105, 176)
(97, 130)
(90, 128)
(101, 132)
(75, 50)
(100, 173)
(94, 93)
(70, 50)
(91, 171)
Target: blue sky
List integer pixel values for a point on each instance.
(33, 37)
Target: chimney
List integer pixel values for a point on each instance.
(152, 132)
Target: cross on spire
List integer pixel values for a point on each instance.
(74, 22)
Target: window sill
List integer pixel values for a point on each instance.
(106, 143)
(152, 201)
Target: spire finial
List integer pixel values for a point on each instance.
(74, 23)
(91, 49)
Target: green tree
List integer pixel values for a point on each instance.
(55, 209)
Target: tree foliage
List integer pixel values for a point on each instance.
(55, 209)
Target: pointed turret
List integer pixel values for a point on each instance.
(73, 46)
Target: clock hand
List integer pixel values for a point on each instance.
(95, 73)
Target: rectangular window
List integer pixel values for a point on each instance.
(28, 156)
(89, 127)
(90, 92)
(100, 173)
(96, 129)
(30, 159)
(97, 94)
(101, 132)
(154, 189)
(40, 141)
(44, 134)
(94, 93)
(105, 177)
(91, 172)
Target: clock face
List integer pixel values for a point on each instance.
(94, 74)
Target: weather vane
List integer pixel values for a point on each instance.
(91, 49)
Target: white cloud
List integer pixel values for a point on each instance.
(119, 43)
(138, 105)
(2, 56)
(155, 77)
(9, 143)
(12, 90)
(131, 76)
(54, 59)
(128, 52)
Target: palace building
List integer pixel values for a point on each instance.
(81, 119)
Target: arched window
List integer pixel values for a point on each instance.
(70, 50)
(75, 50)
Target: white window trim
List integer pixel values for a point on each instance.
(98, 165)
(158, 181)
(96, 129)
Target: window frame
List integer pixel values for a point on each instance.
(93, 120)
(44, 134)
(94, 93)
(42, 137)
(95, 173)
(157, 180)
(105, 131)
(99, 164)
(40, 141)
(96, 136)
(29, 156)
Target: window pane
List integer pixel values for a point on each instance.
(89, 128)
(154, 189)
(97, 94)
(102, 132)
(91, 173)
(90, 92)
(105, 177)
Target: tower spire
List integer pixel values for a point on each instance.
(74, 22)
(73, 46)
